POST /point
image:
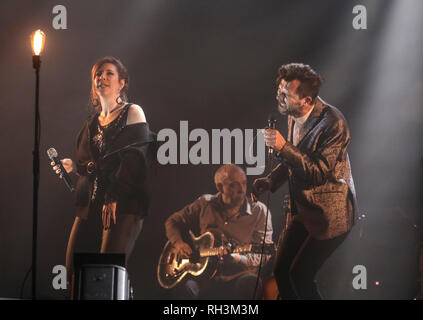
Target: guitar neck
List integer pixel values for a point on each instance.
(215, 251)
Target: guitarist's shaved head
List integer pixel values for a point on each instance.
(227, 171)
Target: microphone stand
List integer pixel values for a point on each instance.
(36, 174)
(271, 124)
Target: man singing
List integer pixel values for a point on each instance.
(315, 163)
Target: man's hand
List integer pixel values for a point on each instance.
(260, 186)
(222, 251)
(274, 139)
(183, 249)
(234, 258)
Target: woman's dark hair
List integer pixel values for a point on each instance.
(310, 80)
(123, 74)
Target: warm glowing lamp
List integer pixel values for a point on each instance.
(37, 44)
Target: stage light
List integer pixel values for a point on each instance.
(37, 42)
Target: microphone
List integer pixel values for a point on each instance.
(271, 124)
(52, 154)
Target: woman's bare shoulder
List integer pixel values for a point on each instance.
(135, 115)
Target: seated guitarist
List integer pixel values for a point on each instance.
(232, 218)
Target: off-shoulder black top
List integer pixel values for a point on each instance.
(113, 163)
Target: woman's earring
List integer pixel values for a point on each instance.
(119, 99)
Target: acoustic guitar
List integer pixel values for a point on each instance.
(172, 268)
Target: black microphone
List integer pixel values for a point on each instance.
(52, 154)
(271, 124)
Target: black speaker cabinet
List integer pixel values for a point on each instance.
(95, 279)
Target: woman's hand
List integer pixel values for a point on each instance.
(68, 164)
(108, 214)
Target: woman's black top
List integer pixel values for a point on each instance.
(112, 162)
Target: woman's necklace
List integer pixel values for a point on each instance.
(112, 111)
(117, 108)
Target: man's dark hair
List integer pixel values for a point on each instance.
(310, 79)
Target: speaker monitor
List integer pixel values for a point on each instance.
(98, 278)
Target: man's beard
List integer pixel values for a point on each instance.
(284, 109)
(292, 110)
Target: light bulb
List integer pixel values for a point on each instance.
(37, 42)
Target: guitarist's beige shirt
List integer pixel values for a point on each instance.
(205, 214)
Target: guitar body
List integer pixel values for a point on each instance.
(172, 268)
(204, 261)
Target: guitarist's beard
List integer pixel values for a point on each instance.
(236, 201)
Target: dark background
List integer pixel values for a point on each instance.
(214, 63)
